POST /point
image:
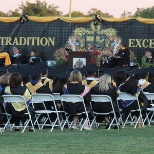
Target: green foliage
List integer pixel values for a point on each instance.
(2, 14)
(39, 9)
(76, 14)
(145, 12)
(61, 61)
(144, 64)
(94, 11)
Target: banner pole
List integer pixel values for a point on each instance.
(70, 9)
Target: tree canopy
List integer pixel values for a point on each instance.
(145, 13)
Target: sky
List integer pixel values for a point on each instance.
(113, 7)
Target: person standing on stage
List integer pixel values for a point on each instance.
(123, 56)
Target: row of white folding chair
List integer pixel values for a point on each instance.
(36, 98)
(18, 99)
(127, 97)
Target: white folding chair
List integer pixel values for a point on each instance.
(41, 98)
(19, 99)
(103, 99)
(72, 99)
(150, 97)
(125, 96)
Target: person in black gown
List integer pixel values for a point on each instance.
(18, 110)
(17, 59)
(123, 56)
(104, 87)
(75, 87)
(131, 87)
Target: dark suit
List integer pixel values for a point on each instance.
(111, 62)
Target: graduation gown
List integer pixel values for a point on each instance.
(20, 59)
(48, 82)
(90, 82)
(78, 89)
(142, 100)
(38, 87)
(105, 107)
(125, 57)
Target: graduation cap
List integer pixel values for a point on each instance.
(128, 72)
(111, 71)
(61, 75)
(61, 68)
(91, 68)
(151, 70)
(140, 73)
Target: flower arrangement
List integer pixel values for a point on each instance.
(95, 57)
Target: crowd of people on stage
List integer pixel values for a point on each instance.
(38, 77)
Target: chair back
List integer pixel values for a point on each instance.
(101, 98)
(56, 96)
(37, 98)
(14, 98)
(72, 98)
(125, 96)
(150, 96)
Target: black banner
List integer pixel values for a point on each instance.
(49, 37)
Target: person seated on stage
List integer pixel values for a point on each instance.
(104, 87)
(90, 80)
(149, 58)
(108, 60)
(18, 111)
(17, 58)
(34, 58)
(131, 87)
(123, 55)
(75, 87)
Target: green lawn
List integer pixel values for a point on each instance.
(97, 141)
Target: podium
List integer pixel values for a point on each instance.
(78, 59)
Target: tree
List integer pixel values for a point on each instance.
(2, 14)
(76, 14)
(145, 13)
(94, 11)
(14, 13)
(39, 9)
(126, 14)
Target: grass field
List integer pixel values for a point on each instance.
(97, 141)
